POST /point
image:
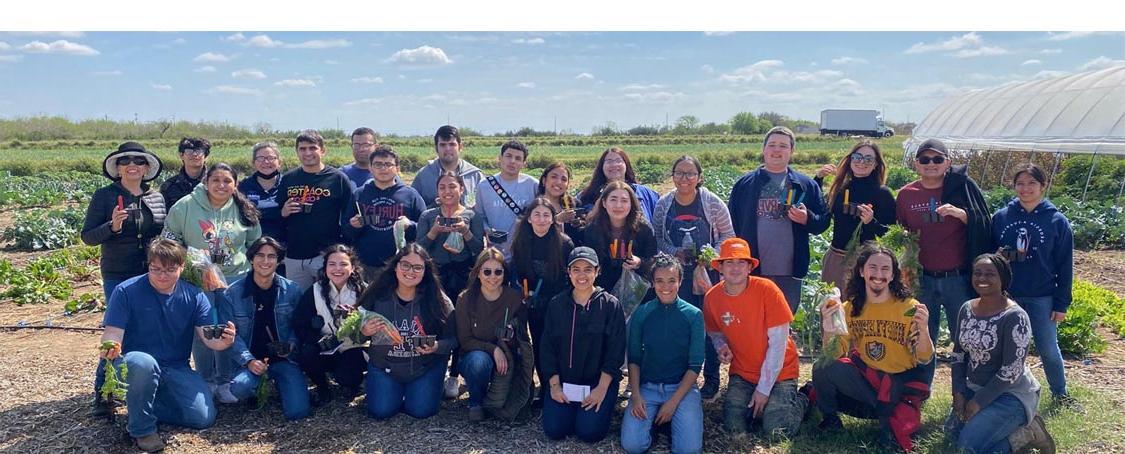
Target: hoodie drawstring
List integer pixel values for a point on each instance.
(573, 321)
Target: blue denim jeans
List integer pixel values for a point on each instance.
(946, 294)
(477, 368)
(108, 285)
(987, 432)
(563, 420)
(419, 398)
(172, 395)
(215, 367)
(687, 422)
(291, 386)
(784, 410)
(1045, 333)
(791, 288)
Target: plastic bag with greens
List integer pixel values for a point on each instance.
(351, 328)
(630, 290)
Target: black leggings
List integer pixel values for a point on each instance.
(347, 367)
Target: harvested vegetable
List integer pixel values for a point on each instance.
(262, 392)
(115, 376)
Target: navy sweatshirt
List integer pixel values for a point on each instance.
(1048, 269)
(375, 241)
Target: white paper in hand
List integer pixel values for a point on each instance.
(575, 393)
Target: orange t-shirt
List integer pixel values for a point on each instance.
(744, 319)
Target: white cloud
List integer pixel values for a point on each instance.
(531, 41)
(320, 44)
(161, 87)
(707, 69)
(846, 60)
(116, 72)
(1101, 63)
(980, 51)
(717, 33)
(971, 39)
(1065, 36)
(295, 83)
(753, 72)
(424, 55)
(205, 69)
(262, 41)
(641, 87)
(248, 74)
(368, 80)
(1031, 62)
(10, 58)
(233, 90)
(526, 85)
(4, 46)
(61, 46)
(584, 76)
(235, 38)
(71, 34)
(362, 102)
(212, 57)
(1050, 51)
(179, 41)
(655, 97)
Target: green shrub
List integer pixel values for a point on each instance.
(898, 176)
(39, 229)
(1078, 332)
(1106, 304)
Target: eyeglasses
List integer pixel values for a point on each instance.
(863, 159)
(685, 175)
(265, 256)
(928, 159)
(417, 268)
(165, 271)
(134, 160)
(492, 271)
(194, 151)
(613, 161)
(383, 165)
(363, 145)
(267, 158)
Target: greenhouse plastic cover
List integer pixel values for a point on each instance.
(1079, 113)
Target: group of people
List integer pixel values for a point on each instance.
(523, 288)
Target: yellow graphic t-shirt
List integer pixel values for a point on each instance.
(883, 336)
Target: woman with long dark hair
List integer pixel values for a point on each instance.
(539, 252)
(614, 165)
(882, 372)
(407, 377)
(554, 184)
(1039, 240)
(995, 396)
(858, 195)
(619, 233)
(323, 307)
(219, 220)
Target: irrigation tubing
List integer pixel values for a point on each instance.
(64, 328)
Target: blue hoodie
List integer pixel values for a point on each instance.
(1049, 241)
(374, 242)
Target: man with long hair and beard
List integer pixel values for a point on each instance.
(882, 372)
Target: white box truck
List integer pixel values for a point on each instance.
(853, 122)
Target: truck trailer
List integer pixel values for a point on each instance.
(853, 122)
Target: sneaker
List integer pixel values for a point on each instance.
(150, 443)
(830, 422)
(476, 414)
(223, 394)
(1066, 401)
(348, 393)
(452, 387)
(710, 389)
(1032, 436)
(323, 395)
(100, 407)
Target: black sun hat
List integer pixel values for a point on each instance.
(109, 166)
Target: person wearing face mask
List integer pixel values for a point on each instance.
(949, 212)
(1040, 242)
(407, 377)
(995, 396)
(881, 372)
(261, 189)
(219, 220)
(321, 310)
(539, 252)
(858, 195)
(496, 357)
(619, 233)
(193, 159)
(614, 165)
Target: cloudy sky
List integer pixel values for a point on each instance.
(411, 82)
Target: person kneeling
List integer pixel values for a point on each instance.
(583, 350)
(748, 319)
(151, 320)
(995, 397)
(882, 374)
(666, 353)
(407, 376)
(496, 357)
(261, 305)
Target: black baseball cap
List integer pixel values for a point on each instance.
(582, 253)
(931, 144)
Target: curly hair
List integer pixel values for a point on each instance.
(857, 287)
(355, 280)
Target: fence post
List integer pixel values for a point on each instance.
(1093, 163)
(1117, 200)
(1004, 170)
(984, 172)
(1054, 170)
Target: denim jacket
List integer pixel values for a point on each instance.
(237, 305)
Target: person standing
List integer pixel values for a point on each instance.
(364, 141)
(193, 159)
(614, 165)
(313, 198)
(261, 189)
(382, 201)
(501, 198)
(775, 209)
(448, 147)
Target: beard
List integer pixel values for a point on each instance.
(877, 291)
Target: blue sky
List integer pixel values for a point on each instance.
(412, 82)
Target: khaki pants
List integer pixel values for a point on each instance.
(832, 269)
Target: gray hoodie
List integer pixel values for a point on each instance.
(425, 181)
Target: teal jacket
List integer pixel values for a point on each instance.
(666, 340)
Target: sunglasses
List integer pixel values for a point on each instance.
(928, 159)
(862, 159)
(135, 160)
(490, 271)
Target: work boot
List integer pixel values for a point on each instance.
(710, 389)
(830, 422)
(100, 406)
(1032, 436)
(150, 443)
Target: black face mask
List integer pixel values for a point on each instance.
(267, 177)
